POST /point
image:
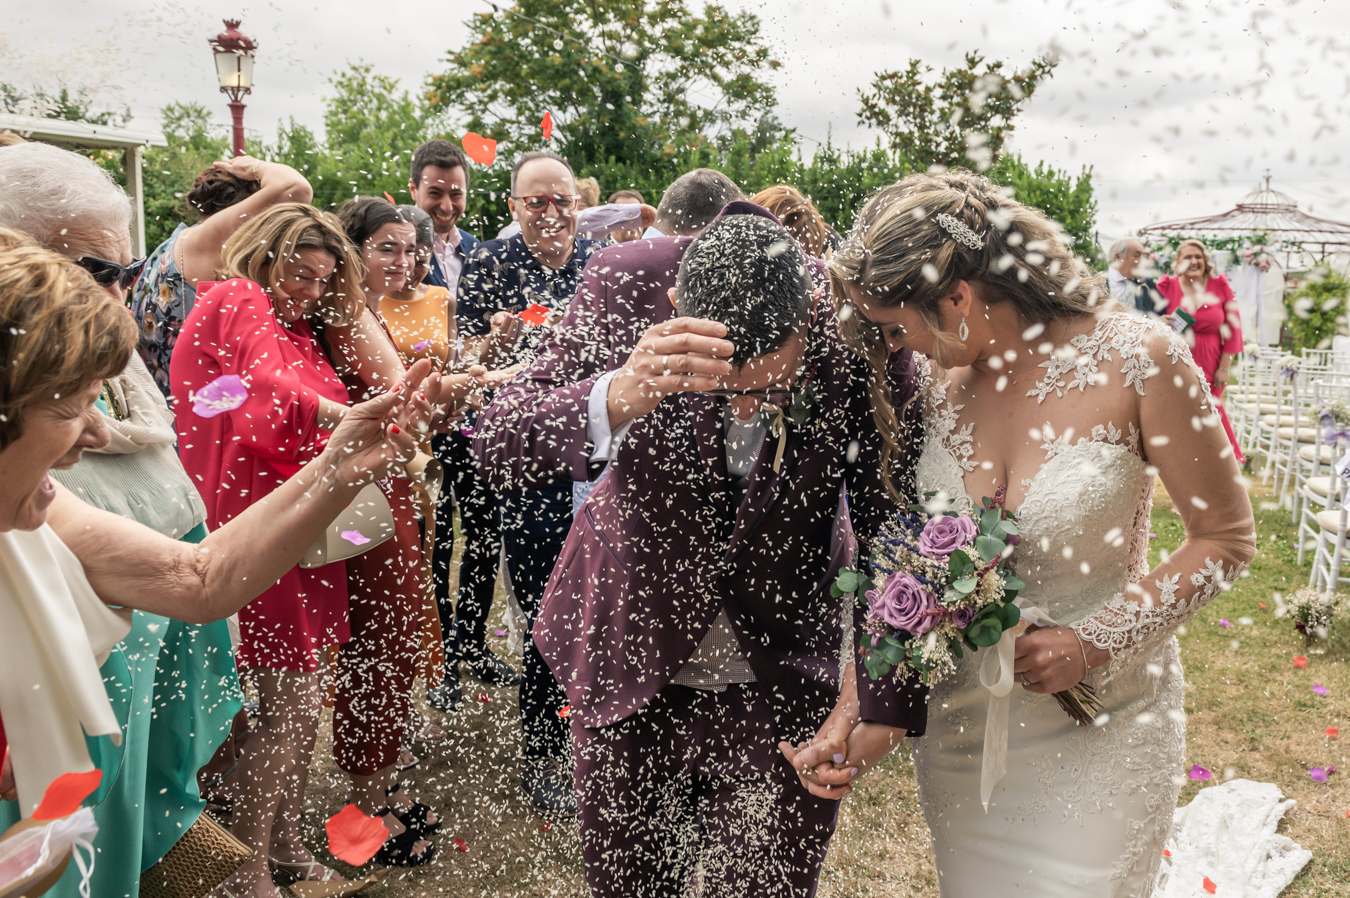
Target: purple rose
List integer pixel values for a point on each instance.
(963, 616)
(904, 603)
(944, 534)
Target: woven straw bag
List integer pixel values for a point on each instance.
(206, 855)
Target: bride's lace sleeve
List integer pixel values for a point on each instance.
(1184, 439)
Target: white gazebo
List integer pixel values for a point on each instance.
(86, 136)
(1297, 241)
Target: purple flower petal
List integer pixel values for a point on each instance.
(1319, 689)
(1153, 536)
(418, 347)
(1199, 773)
(221, 395)
(1318, 774)
(501, 632)
(355, 537)
(1224, 623)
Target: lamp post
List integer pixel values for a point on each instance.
(234, 70)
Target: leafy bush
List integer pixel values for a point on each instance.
(1317, 311)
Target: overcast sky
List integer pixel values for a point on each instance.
(1179, 107)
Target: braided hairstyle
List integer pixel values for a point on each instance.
(916, 239)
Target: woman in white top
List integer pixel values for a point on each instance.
(1040, 383)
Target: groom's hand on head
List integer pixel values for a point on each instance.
(681, 355)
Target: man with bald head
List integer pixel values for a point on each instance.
(1123, 278)
(537, 270)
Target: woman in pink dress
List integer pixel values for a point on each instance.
(1216, 337)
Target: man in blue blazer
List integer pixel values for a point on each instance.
(439, 182)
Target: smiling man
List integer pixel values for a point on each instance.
(439, 183)
(689, 618)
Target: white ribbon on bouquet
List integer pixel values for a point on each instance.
(996, 676)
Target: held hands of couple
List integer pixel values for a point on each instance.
(381, 433)
(682, 355)
(844, 748)
(1052, 659)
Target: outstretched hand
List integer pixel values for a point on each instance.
(380, 434)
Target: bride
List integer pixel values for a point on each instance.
(1038, 382)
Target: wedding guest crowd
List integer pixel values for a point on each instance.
(283, 420)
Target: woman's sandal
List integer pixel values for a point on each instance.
(303, 871)
(415, 818)
(397, 851)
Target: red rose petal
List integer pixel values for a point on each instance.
(547, 125)
(1263, 605)
(353, 837)
(548, 825)
(535, 315)
(64, 794)
(1210, 886)
(565, 711)
(460, 844)
(480, 149)
(1166, 853)
(1300, 661)
(1332, 732)
(485, 698)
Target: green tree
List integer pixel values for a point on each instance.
(960, 119)
(1068, 200)
(168, 171)
(637, 81)
(372, 126)
(66, 104)
(1317, 311)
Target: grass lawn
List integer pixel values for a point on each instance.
(1251, 713)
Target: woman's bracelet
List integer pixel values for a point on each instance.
(1087, 668)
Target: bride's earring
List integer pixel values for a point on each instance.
(963, 331)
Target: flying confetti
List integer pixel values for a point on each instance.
(482, 150)
(224, 394)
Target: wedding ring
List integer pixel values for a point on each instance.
(665, 365)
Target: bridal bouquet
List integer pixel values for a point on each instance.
(944, 584)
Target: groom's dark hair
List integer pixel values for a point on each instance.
(746, 272)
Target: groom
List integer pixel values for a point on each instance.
(689, 617)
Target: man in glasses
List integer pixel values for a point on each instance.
(690, 618)
(510, 293)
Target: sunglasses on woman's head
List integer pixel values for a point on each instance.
(106, 273)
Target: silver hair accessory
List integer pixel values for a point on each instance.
(959, 231)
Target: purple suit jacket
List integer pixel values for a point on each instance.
(658, 548)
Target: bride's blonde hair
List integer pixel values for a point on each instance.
(898, 253)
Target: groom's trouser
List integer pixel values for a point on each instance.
(697, 776)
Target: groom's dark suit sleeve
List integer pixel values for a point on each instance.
(870, 506)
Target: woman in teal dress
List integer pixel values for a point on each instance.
(172, 685)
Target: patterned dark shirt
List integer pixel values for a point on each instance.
(503, 275)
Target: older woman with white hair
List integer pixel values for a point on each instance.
(173, 684)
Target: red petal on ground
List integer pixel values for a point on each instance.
(1300, 661)
(1210, 885)
(65, 793)
(460, 844)
(353, 837)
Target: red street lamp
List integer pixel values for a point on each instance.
(234, 69)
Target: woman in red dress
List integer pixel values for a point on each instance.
(287, 268)
(1216, 337)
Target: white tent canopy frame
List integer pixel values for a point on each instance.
(1302, 240)
(86, 136)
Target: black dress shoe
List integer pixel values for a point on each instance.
(447, 696)
(493, 670)
(549, 785)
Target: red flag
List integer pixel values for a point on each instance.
(65, 793)
(482, 150)
(547, 125)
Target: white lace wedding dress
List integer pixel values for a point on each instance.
(1083, 811)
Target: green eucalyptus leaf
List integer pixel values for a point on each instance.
(959, 565)
(847, 581)
(1009, 614)
(1012, 581)
(988, 547)
(985, 633)
(966, 585)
